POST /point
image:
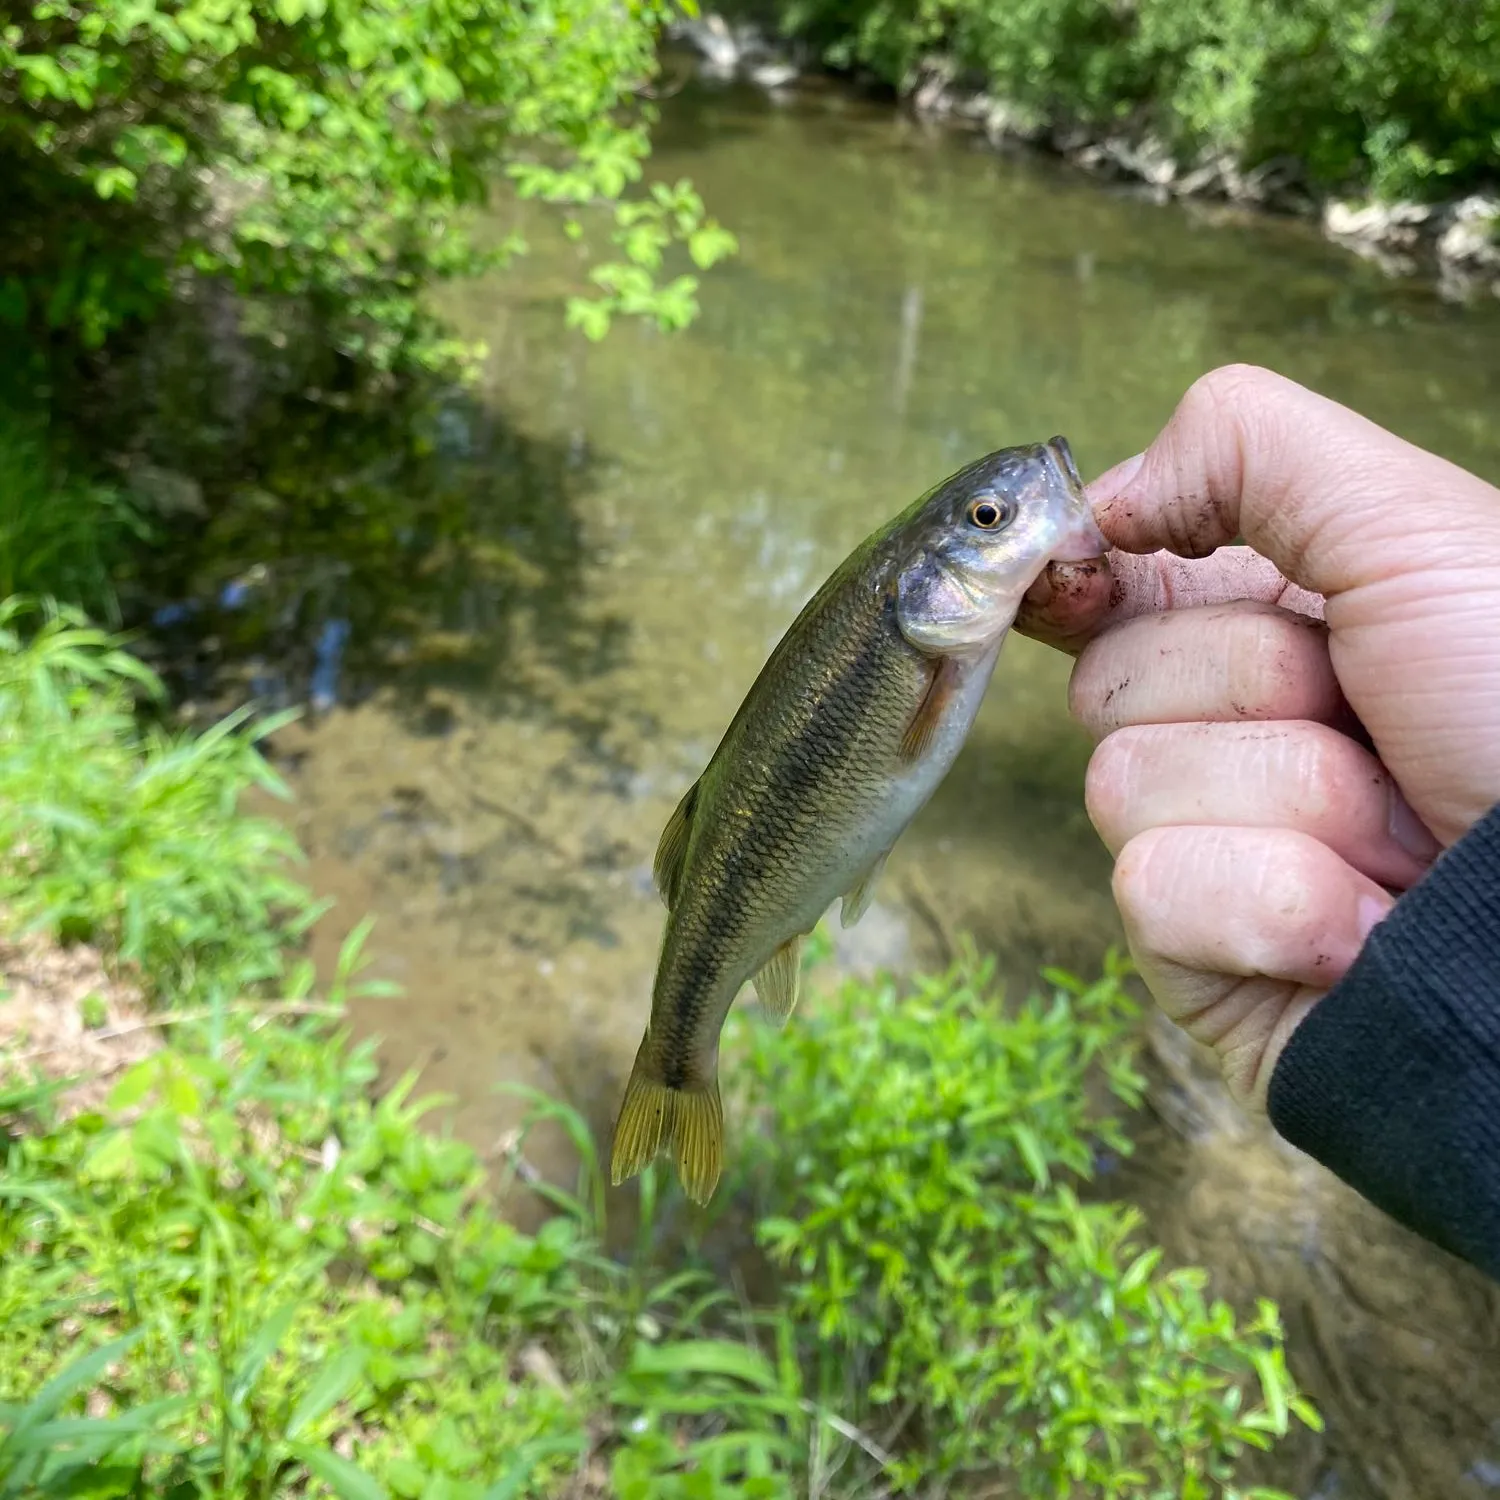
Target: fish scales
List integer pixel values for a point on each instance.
(834, 746)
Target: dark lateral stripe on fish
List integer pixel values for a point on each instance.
(802, 762)
(800, 765)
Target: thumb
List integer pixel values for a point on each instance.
(1404, 546)
(1334, 501)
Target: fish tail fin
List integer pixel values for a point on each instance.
(687, 1122)
(698, 1139)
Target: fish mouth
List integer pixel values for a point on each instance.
(1081, 540)
(1062, 455)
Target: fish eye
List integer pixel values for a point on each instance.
(991, 515)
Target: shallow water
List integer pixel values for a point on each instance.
(524, 634)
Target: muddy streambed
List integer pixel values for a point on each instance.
(522, 623)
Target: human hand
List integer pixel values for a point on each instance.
(1256, 840)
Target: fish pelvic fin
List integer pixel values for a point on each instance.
(857, 899)
(777, 981)
(924, 725)
(688, 1123)
(671, 852)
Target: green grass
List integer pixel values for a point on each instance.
(244, 1275)
(59, 532)
(133, 838)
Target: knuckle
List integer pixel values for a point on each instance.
(1230, 387)
(1241, 1058)
(1135, 884)
(1288, 907)
(1277, 663)
(1228, 390)
(1107, 781)
(1089, 690)
(1321, 774)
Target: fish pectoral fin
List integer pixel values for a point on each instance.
(919, 733)
(857, 899)
(688, 1123)
(671, 852)
(776, 984)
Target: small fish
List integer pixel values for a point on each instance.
(854, 720)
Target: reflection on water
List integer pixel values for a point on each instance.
(526, 619)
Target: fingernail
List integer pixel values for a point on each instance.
(1370, 913)
(1112, 481)
(1410, 831)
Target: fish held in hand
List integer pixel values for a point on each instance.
(853, 721)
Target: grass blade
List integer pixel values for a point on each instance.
(347, 1480)
(334, 1380)
(47, 1401)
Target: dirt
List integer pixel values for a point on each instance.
(64, 1017)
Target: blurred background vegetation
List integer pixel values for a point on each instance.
(1400, 98)
(230, 1263)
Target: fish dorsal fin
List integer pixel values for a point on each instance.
(919, 733)
(671, 852)
(776, 983)
(857, 899)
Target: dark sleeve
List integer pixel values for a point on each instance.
(1393, 1080)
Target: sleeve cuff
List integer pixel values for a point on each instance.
(1392, 1081)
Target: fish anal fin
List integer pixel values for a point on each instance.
(857, 899)
(919, 733)
(688, 1123)
(776, 983)
(671, 852)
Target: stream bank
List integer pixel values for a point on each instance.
(1454, 244)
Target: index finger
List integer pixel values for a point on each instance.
(1072, 602)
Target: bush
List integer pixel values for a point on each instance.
(916, 1166)
(323, 150)
(1402, 98)
(242, 1276)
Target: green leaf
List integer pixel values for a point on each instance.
(82, 1372)
(113, 1156)
(259, 1350)
(347, 1480)
(1140, 1269)
(1031, 1153)
(136, 1083)
(528, 1459)
(1273, 1387)
(592, 318)
(335, 1378)
(711, 244)
(704, 1357)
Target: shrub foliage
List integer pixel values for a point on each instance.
(324, 150)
